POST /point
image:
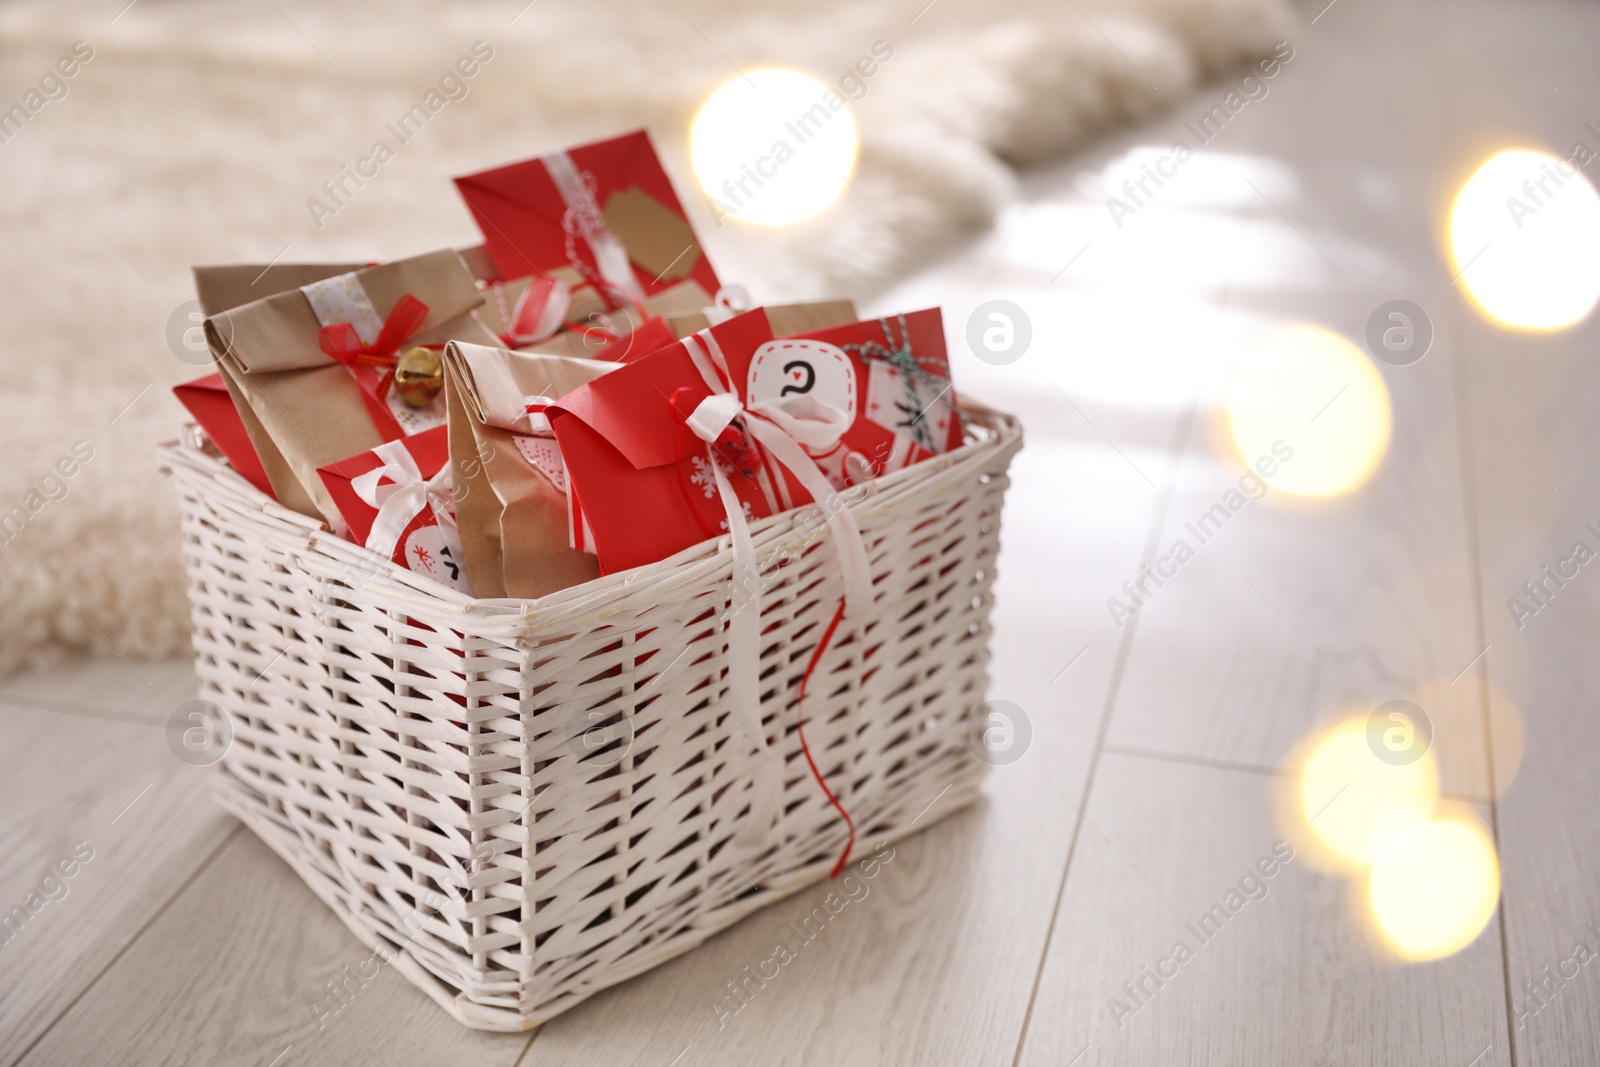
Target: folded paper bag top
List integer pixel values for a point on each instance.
(510, 481)
(282, 331)
(223, 286)
(642, 487)
(210, 399)
(305, 409)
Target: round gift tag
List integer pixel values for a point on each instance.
(436, 552)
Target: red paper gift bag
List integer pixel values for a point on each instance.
(208, 401)
(393, 502)
(638, 480)
(606, 208)
(857, 401)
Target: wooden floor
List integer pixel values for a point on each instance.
(1001, 935)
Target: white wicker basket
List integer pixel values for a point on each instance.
(428, 763)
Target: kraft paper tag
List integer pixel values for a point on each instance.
(657, 240)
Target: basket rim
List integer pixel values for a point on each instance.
(1000, 435)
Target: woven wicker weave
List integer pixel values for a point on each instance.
(524, 803)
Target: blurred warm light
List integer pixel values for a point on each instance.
(1459, 728)
(1434, 888)
(1306, 388)
(772, 147)
(1523, 232)
(1354, 803)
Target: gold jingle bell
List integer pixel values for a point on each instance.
(418, 376)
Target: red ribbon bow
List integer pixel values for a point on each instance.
(342, 343)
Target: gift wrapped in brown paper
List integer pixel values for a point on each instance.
(510, 483)
(786, 319)
(316, 366)
(224, 286)
(560, 314)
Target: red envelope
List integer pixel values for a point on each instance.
(638, 481)
(651, 337)
(524, 215)
(424, 545)
(208, 401)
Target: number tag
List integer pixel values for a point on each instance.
(798, 368)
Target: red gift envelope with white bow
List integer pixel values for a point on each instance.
(396, 500)
(640, 483)
(607, 209)
(658, 451)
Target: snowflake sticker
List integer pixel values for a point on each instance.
(703, 477)
(744, 506)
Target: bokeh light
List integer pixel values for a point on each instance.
(1434, 888)
(1353, 803)
(1460, 731)
(1523, 231)
(772, 147)
(1308, 390)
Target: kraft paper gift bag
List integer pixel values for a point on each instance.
(314, 366)
(785, 319)
(223, 286)
(509, 478)
(209, 399)
(561, 315)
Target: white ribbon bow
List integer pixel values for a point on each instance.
(401, 500)
(584, 219)
(785, 429)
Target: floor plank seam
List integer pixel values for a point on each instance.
(1199, 761)
(1469, 500)
(112, 962)
(1175, 454)
(67, 708)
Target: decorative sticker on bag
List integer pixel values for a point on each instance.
(435, 550)
(545, 454)
(909, 407)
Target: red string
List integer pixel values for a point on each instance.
(800, 728)
(341, 342)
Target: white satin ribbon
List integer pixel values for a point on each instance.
(585, 220)
(343, 299)
(398, 502)
(551, 316)
(534, 408)
(781, 427)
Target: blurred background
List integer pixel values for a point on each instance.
(1295, 300)
(191, 133)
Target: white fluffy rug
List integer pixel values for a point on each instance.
(197, 132)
